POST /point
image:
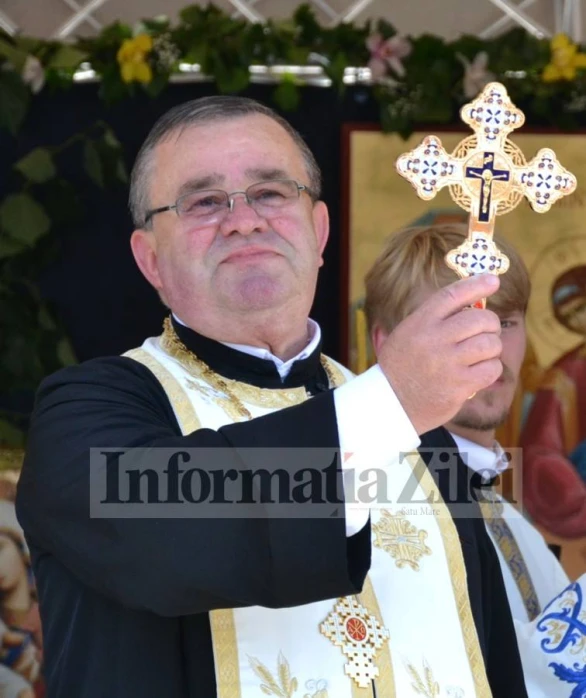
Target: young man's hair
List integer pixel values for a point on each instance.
(415, 258)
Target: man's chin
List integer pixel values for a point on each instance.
(480, 420)
(257, 294)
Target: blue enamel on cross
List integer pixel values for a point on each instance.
(487, 174)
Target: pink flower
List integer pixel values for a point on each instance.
(476, 74)
(387, 53)
(33, 74)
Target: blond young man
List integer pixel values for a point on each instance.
(408, 271)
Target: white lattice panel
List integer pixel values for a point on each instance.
(448, 18)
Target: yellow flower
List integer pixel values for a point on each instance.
(565, 59)
(132, 57)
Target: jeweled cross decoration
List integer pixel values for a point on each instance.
(359, 635)
(487, 175)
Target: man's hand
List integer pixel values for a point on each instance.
(444, 352)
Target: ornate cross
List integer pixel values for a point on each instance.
(401, 539)
(359, 635)
(487, 175)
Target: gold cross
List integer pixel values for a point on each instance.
(401, 539)
(487, 175)
(359, 635)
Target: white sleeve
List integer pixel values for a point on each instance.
(374, 430)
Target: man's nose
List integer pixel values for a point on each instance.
(241, 217)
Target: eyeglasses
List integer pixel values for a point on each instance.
(210, 205)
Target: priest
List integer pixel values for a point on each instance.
(240, 596)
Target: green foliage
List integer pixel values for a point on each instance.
(23, 219)
(425, 86)
(10, 436)
(286, 95)
(37, 166)
(427, 89)
(92, 163)
(28, 345)
(33, 215)
(66, 57)
(14, 100)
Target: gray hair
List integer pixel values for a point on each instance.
(201, 111)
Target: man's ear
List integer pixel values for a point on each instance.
(144, 248)
(321, 224)
(378, 337)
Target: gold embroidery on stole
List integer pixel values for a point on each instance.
(184, 410)
(222, 622)
(492, 511)
(282, 685)
(457, 569)
(425, 685)
(226, 658)
(403, 541)
(267, 398)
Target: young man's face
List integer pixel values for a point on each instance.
(489, 408)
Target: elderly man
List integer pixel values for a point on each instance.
(230, 231)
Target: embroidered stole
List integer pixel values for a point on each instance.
(504, 538)
(410, 632)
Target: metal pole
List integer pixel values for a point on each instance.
(237, 13)
(326, 9)
(558, 15)
(577, 24)
(501, 23)
(245, 9)
(7, 24)
(89, 19)
(76, 19)
(354, 10)
(567, 17)
(522, 19)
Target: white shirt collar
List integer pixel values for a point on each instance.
(283, 367)
(488, 461)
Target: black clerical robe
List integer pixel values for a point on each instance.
(124, 602)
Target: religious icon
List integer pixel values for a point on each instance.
(487, 175)
(21, 644)
(554, 434)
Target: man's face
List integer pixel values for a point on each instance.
(489, 408)
(244, 261)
